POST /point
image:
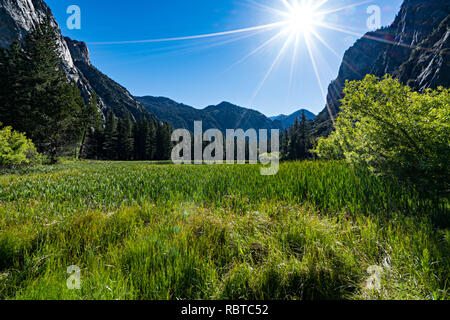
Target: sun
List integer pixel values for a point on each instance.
(301, 18)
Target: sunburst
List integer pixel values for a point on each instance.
(299, 20)
(302, 18)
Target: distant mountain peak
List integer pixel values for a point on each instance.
(225, 104)
(289, 120)
(222, 116)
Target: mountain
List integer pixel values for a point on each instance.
(231, 116)
(177, 114)
(288, 121)
(414, 48)
(112, 94)
(17, 18)
(222, 116)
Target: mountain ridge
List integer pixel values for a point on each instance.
(222, 116)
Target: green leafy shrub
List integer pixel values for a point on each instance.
(394, 131)
(330, 148)
(15, 148)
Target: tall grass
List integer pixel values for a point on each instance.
(146, 231)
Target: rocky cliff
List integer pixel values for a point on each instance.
(112, 95)
(413, 48)
(429, 65)
(17, 18)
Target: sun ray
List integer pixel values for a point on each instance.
(201, 36)
(223, 42)
(255, 51)
(293, 61)
(314, 33)
(186, 48)
(316, 72)
(333, 51)
(287, 4)
(320, 4)
(282, 51)
(370, 37)
(337, 28)
(268, 8)
(344, 7)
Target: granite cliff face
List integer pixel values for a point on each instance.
(430, 68)
(17, 18)
(113, 96)
(413, 48)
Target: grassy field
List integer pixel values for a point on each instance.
(155, 231)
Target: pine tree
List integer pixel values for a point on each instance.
(163, 141)
(110, 137)
(37, 97)
(144, 139)
(304, 139)
(14, 98)
(297, 141)
(285, 145)
(92, 132)
(293, 140)
(56, 121)
(137, 137)
(125, 139)
(150, 143)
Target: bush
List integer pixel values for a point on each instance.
(394, 131)
(15, 148)
(330, 148)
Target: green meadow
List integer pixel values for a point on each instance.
(159, 231)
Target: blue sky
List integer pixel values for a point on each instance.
(202, 72)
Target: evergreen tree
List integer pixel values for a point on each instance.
(284, 148)
(92, 133)
(137, 131)
(110, 137)
(12, 74)
(163, 141)
(125, 139)
(150, 143)
(304, 141)
(297, 142)
(37, 97)
(144, 140)
(56, 105)
(293, 140)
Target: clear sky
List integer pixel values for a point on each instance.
(204, 71)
